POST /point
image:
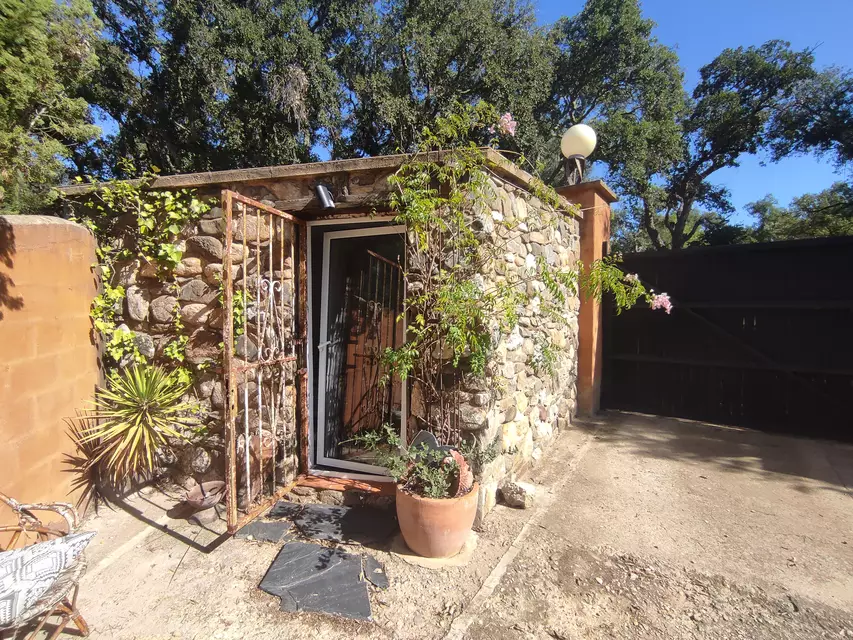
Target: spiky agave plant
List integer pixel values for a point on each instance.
(137, 413)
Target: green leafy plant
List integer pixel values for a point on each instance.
(121, 345)
(456, 317)
(419, 470)
(132, 220)
(136, 414)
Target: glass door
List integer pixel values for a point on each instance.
(361, 305)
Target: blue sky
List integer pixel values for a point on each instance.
(700, 29)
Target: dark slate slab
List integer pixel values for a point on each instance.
(265, 531)
(309, 577)
(345, 524)
(374, 572)
(283, 509)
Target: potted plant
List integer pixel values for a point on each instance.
(436, 492)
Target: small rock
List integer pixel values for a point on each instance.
(197, 291)
(147, 270)
(217, 395)
(196, 313)
(328, 496)
(246, 348)
(137, 304)
(203, 346)
(207, 247)
(188, 267)
(211, 227)
(205, 388)
(144, 343)
(520, 495)
(162, 309)
(201, 460)
(254, 230)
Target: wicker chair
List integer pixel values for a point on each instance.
(61, 598)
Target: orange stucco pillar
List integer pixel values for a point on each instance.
(594, 198)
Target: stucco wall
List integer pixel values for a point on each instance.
(48, 363)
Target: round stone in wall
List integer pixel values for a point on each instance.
(162, 309)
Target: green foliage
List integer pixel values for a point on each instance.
(106, 307)
(131, 220)
(225, 85)
(176, 348)
(818, 118)
(120, 344)
(240, 302)
(478, 455)
(419, 470)
(219, 84)
(828, 213)
(544, 357)
(731, 113)
(610, 71)
(412, 60)
(46, 55)
(137, 413)
(604, 276)
(455, 318)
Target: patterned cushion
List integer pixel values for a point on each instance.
(26, 574)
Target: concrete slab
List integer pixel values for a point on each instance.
(461, 559)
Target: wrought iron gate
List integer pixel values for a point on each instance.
(264, 334)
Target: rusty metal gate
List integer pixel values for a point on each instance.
(264, 334)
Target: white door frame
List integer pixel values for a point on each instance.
(317, 432)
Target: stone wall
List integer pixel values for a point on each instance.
(48, 362)
(519, 406)
(160, 307)
(521, 403)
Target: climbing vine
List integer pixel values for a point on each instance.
(134, 225)
(457, 317)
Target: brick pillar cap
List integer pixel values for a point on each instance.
(599, 187)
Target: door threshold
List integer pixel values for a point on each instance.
(343, 481)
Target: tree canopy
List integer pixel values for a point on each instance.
(212, 85)
(46, 54)
(184, 85)
(730, 113)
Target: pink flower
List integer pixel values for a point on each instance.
(661, 301)
(505, 125)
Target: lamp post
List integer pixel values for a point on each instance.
(576, 145)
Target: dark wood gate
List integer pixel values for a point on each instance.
(761, 336)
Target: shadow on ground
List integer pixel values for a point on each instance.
(731, 448)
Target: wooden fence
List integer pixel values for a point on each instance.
(761, 336)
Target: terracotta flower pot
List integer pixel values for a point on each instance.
(436, 527)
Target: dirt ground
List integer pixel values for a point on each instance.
(644, 528)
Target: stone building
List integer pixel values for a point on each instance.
(315, 294)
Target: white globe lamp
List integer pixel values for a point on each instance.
(576, 145)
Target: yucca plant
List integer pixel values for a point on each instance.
(136, 414)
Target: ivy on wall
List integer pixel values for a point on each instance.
(135, 227)
(456, 316)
